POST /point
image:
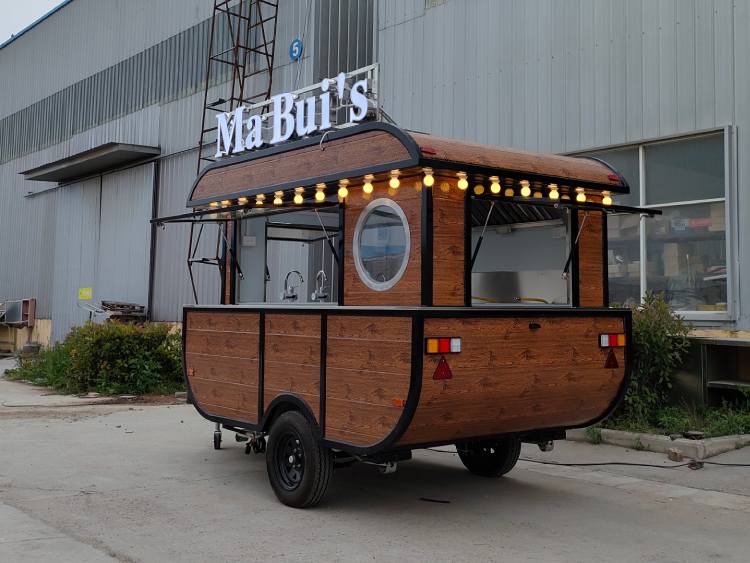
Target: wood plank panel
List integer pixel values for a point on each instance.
(511, 378)
(408, 290)
(240, 398)
(447, 244)
(368, 370)
(219, 368)
(231, 344)
(371, 148)
(223, 321)
(292, 358)
(591, 260)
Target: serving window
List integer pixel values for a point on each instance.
(519, 254)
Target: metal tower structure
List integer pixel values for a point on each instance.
(239, 68)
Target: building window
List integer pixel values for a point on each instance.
(681, 254)
(381, 244)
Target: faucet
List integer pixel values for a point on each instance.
(290, 293)
(320, 293)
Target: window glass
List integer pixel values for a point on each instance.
(381, 243)
(686, 249)
(625, 161)
(624, 259)
(685, 170)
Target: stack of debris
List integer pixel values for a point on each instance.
(124, 312)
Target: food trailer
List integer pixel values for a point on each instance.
(386, 290)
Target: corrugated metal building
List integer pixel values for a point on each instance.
(658, 88)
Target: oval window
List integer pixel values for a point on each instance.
(381, 244)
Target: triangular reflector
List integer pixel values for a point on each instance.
(442, 371)
(611, 362)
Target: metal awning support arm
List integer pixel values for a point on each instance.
(328, 239)
(481, 236)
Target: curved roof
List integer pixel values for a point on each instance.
(377, 147)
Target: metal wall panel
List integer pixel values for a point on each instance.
(125, 236)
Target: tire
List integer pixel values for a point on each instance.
(299, 468)
(490, 458)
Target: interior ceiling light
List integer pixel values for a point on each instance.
(394, 182)
(495, 184)
(367, 186)
(429, 179)
(343, 190)
(298, 198)
(320, 193)
(463, 183)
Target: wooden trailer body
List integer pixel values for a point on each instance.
(419, 358)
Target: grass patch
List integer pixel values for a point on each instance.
(725, 420)
(111, 358)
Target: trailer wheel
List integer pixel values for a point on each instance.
(299, 468)
(490, 458)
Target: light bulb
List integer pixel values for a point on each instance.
(607, 198)
(259, 199)
(394, 182)
(343, 190)
(463, 183)
(525, 189)
(367, 186)
(479, 189)
(214, 204)
(242, 200)
(565, 196)
(509, 192)
(553, 193)
(495, 185)
(226, 202)
(538, 194)
(429, 179)
(277, 198)
(298, 198)
(580, 195)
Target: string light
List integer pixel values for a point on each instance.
(343, 190)
(565, 196)
(394, 182)
(525, 189)
(320, 193)
(463, 183)
(242, 200)
(553, 193)
(214, 205)
(429, 179)
(277, 198)
(495, 184)
(226, 202)
(479, 189)
(367, 186)
(580, 195)
(298, 198)
(607, 198)
(259, 199)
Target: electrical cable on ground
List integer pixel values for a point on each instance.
(692, 464)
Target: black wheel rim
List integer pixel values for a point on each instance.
(290, 461)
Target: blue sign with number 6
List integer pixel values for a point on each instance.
(295, 49)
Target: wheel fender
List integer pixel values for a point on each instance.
(288, 402)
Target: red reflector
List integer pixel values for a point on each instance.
(428, 150)
(444, 345)
(613, 177)
(613, 340)
(611, 362)
(442, 371)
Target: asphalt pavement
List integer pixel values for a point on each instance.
(142, 483)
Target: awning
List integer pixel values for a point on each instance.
(99, 159)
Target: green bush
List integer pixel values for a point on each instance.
(659, 345)
(110, 358)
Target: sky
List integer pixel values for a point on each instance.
(17, 14)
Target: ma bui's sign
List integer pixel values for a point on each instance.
(237, 132)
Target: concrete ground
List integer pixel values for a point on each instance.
(142, 483)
